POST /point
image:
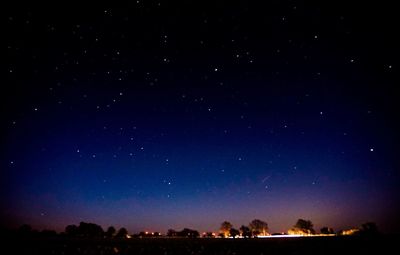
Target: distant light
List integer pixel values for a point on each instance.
(371, 150)
(280, 236)
(350, 231)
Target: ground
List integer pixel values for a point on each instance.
(171, 246)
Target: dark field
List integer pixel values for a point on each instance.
(164, 246)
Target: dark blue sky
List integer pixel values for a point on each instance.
(157, 116)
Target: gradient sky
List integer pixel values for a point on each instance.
(154, 116)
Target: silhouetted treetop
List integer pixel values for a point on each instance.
(258, 227)
(225, 227)
(305, 225)
(122, 233)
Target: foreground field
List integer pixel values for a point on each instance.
(171, 246)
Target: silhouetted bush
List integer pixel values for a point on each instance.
(369, 229)
(172, 232)
(245, 231)
(122, 233)
(234, 232)
(327, 231)
(72, 230)
(110, 232)
(186, 232)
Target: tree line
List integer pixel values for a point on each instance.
(255, 228)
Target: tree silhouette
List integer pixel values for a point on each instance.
(144, 234)
(71, 230)
(90, 230)
(225, 228)
(327, 231)
(258, 227)
(369, 229)
(171, 232)
(25, 229)
(246, 232)
(233, 232)
(302, 227)
(48, 233)
(122, 233)
(110, 232)
(186, 232)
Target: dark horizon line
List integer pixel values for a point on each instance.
(104, 229)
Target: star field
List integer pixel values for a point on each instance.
(157, 116)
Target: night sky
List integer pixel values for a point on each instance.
(154, 116)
